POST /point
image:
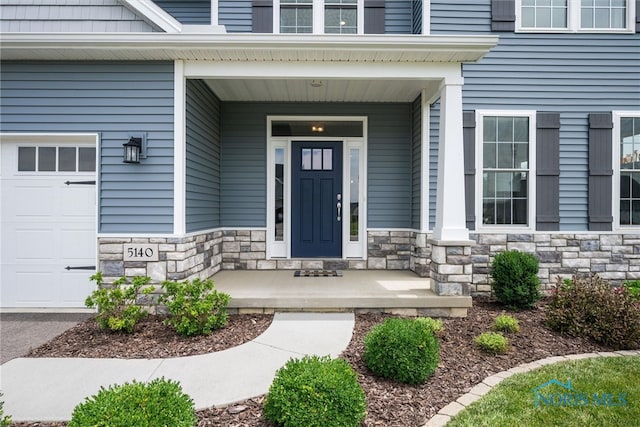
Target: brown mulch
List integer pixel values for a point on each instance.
(389, 404)
(151, 339)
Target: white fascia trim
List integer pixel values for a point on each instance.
(155, 14)
(370, 45)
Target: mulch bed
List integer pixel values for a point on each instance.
(389, 404)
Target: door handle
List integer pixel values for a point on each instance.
(339, 206)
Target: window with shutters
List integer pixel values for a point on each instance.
(319, 16)
(575, 15)
(506, 180)
(627, 168)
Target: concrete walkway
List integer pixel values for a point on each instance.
(40, 389)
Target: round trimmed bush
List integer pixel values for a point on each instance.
(405, 350)
(515, 279)
(315, 392)
(157, 403)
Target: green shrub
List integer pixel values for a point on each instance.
(116, 304)
(196, 308)
(434, 325)
(5, 420)
(157, 403)
(515, 280)
(315, 392)
(493, 342)
(506, 323)
(403, 350)
(633, 286)
(589, 307)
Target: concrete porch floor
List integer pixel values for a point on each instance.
(389, 291)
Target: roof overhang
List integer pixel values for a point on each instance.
(244, 47)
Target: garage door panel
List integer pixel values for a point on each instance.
(46, 226)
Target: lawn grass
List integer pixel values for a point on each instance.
(605, 392)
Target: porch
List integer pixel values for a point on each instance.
(390, 291)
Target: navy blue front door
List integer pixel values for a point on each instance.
(316, 199)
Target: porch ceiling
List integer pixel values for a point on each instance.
(321, 90)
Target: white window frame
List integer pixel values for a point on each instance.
(617, 115)
(282, 249)
(573, 21)
(318, 17)
(531, 211)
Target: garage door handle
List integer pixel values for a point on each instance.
(80, 182)
(84, 267)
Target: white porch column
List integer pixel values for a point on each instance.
(450, 201)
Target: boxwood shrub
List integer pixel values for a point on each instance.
(402, 349)
(315, 392)
(515, 279)
(159, 403)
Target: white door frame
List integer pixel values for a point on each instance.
(282, 248)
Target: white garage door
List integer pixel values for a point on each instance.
(47, 220)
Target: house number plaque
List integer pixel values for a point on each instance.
(140, 252)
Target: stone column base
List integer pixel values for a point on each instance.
(451, 267)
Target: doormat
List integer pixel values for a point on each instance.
(317, 273)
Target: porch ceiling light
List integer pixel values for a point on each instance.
(316, 83)
(132, 150)
(318, 128)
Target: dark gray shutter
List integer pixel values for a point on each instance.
(503, 15)
(469, 141)
(600, 171)
(374, 16)
(262, 16)
(548, 171)
(637, 16)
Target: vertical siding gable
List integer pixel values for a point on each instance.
(202, 157)
(70, 16)
(188, 12)
(113, 99)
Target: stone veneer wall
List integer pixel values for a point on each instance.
(615, 257)
(178, 258)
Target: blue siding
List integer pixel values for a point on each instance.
(203, 157)
(114, 100)
(243, 187)
(70, 16)
(189, 12)
(416, 161)
(398, 17)
(434, 129)
(235, 15)
(573, 74)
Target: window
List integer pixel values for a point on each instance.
(506, 151)
(576, 15)
(320, 16)
(341, 17)
(628, 139)
(296, 16)
(56, 159)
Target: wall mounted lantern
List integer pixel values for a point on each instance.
(132, 150)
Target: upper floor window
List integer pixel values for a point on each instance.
(319, 16)
(575, 15)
